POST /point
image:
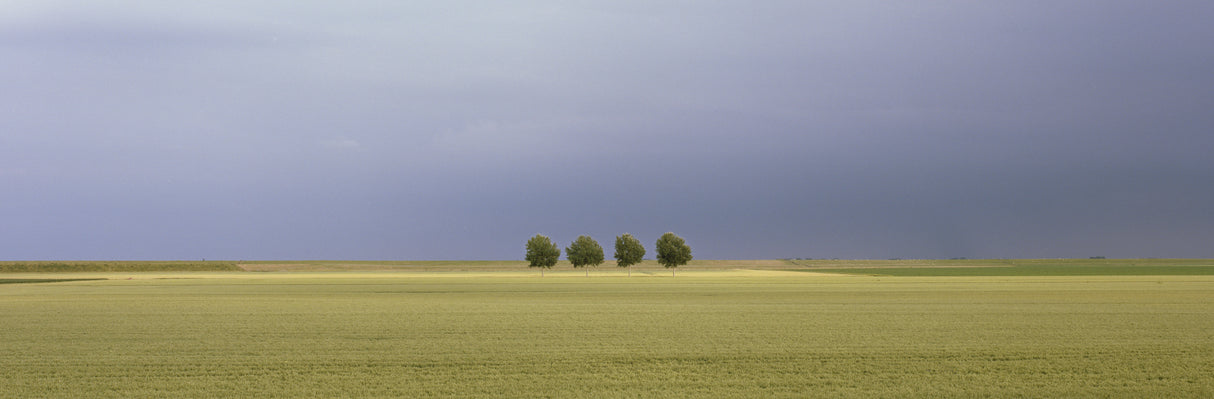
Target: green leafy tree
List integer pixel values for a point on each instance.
(542, 252)
(673, 251)
(584, 251)
(628, 251)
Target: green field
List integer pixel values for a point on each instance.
(706, 333)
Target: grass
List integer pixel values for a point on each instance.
(704, 334)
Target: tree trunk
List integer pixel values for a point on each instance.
(629, 271)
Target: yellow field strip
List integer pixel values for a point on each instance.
(418, 274)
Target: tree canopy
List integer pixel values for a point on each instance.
(584, 251)
(673, 251)
(628, 250)
(542, 252)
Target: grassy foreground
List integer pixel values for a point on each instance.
(703, 334)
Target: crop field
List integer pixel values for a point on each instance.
(713, 332)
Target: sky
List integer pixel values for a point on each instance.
(419, 130)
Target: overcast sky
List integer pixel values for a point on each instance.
(458, 129)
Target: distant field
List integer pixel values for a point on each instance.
(976, 267)
(343, 265)
(42, 280)
(1016, 267)
(114, 266)
(706, 333)
(449, 265)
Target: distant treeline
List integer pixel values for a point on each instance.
(116, 266)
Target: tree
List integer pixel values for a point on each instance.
(673, 251)
(542, 252)
(628, 251)
(584, 251)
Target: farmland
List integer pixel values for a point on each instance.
(499, 330)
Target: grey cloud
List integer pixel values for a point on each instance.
(458, 129)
